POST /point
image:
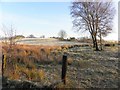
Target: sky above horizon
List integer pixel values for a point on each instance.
(44, 18)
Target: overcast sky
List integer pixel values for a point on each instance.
(43, 18)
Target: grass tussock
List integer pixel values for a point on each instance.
(22, 59)
(42, 64)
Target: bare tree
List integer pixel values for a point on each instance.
(9, 33)
(94, 17)
(4, 29)
(62, 34)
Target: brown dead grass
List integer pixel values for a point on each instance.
(23, 58)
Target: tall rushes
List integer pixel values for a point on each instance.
(23, 60)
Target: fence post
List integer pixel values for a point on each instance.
(2, 65)
(64, 68)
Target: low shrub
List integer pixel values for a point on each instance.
(108, 45)
(70, 61)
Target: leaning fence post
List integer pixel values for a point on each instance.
(64, 68)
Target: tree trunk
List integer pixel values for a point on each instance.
(101, 43)
(93, 41)
(96, 44)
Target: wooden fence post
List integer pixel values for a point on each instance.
(64, 68)
(2, 65)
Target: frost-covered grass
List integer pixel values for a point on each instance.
(42, 65)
